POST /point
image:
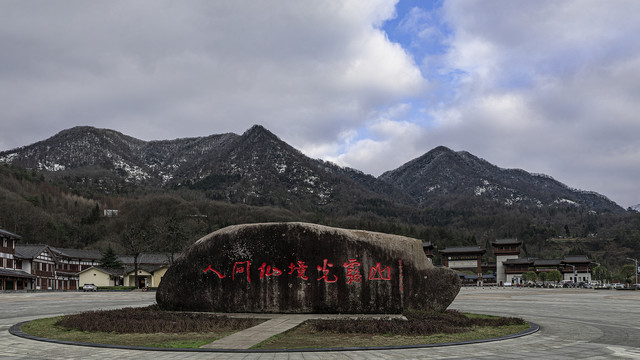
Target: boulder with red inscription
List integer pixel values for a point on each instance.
(305, 268)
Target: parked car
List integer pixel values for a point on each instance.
(89, 287)
(617, 286)
(566, 284)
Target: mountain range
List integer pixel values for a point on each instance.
(258, 168)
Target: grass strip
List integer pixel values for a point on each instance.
(148, 327)
(151, 327)
(420, 328)
(306, 337)
(47, 328)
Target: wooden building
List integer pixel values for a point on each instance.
(12, 273)
(69, 262)
(40, 262)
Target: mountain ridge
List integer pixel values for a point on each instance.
(259, 168)
(443, 171)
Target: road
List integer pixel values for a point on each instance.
(574, 324)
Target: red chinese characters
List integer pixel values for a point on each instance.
(325, 272)
(209, 268)
(353, 273)
(300, 269)
(268, 270)
(379, 273)
(240, 267)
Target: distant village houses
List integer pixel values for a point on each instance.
(509, 268)
(44, 267)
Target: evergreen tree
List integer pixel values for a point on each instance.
(110, 259)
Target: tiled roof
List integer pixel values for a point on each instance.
(576, 259)
(77, 253)
(29, 251)
(15, 273)
(115, 272)
(148, 268)
(519, 261)
(547, 262)
(156, 259)
(4, 232)
(468, 249)
(506, 242)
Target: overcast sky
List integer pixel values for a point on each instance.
(550, 87)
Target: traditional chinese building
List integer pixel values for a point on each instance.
(576, 268)
(514, 268)
(54, 268)
(69, 262)
(464, 258)
(12, 274)
(40, 262)
(504, 250)
(573, 268)
(546, 265)
(428, 248)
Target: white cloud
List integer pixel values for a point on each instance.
(546, 86)
(158, 69)
(388, 142)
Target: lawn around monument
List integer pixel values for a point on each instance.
(150, 327)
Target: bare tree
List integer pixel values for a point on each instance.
(136, 238)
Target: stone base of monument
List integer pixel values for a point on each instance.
(305, 268)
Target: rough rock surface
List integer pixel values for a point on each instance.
(305, 268)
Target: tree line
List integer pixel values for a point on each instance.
(169, 221)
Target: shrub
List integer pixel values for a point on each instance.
(151, 320)
(417, 323)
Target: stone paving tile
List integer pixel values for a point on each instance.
(568, 332)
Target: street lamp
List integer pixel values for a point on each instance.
(636, 270)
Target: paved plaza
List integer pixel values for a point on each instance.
(574, 324)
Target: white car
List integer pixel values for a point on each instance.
(617, 286)
(89, 287)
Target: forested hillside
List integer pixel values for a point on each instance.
(34, 206)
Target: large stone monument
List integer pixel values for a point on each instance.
(305, 268)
